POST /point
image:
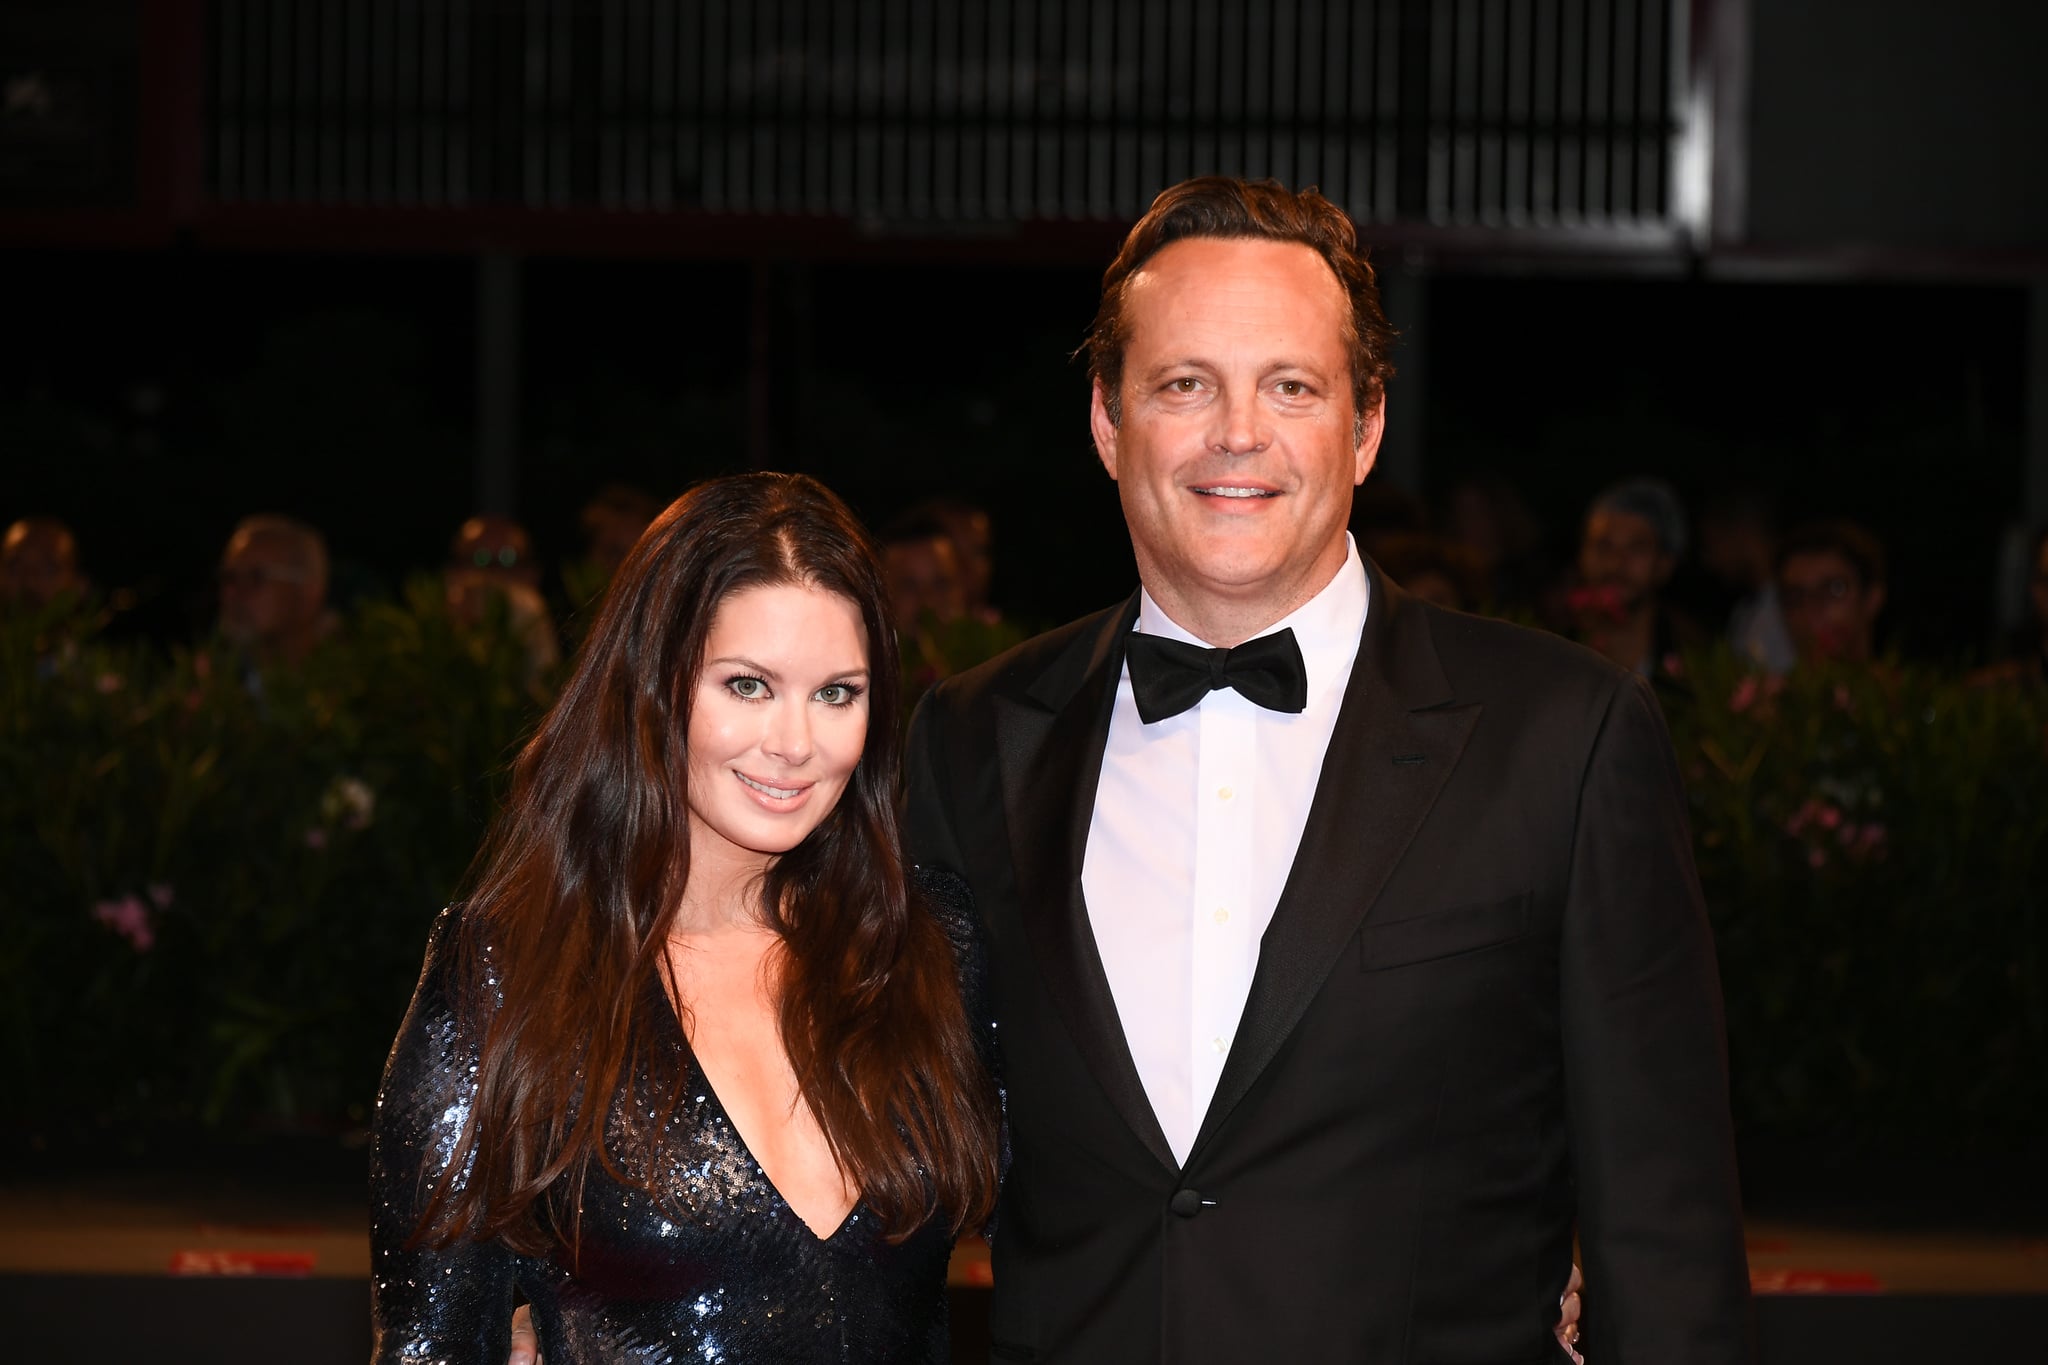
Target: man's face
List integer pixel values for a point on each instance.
(1238, 446)
(265, 592)
(38, 565)
(1621, 551)
(1828, 608)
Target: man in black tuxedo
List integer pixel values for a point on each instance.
(1349, 955)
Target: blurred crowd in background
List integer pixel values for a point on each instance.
(1644, 580)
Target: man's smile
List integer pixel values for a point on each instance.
(1237, 491)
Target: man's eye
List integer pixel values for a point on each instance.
(1293, 388)
(1185, 385)
(749, 689)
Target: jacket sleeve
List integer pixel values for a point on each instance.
(928, 830)
(430, 1304)
(1646, 1065)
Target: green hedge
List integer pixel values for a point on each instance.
(215, 901)
(1874, 847)
(218, 899)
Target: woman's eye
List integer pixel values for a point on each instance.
(749, 689)
(838, 694)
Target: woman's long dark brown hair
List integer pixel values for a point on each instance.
(580, 880)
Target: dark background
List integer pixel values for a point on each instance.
(197, 330)
(152, 399)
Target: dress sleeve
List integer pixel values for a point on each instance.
(952, 904)
(430, 1304)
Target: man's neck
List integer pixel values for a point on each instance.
(1224, 620)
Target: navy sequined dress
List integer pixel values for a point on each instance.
(727, 1273)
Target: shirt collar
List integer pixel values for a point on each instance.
(1327, 627)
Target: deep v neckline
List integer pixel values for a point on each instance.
(691, 1060)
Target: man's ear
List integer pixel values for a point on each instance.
(1369, 432)
(1102, 427)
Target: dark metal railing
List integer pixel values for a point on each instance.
(1492, 114)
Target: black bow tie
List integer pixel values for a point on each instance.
(1169, 676)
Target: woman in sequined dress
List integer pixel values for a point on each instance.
(691, 1069)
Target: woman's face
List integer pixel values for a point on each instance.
(777, 722)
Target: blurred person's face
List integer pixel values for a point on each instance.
(1621, 551)
(1238, 446)
(1471, 521)
(1829, 610)
(778, 721)
(972, 543)
(267, 594)
(923, 576)
(494, 547)
(39, 564)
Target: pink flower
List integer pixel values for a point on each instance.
(1744, 695)
(1817, 858)
(1847, 834)
(1873, 838)
(106, 684)
(1814, 812)
(160, 895)
(1674, 665)
(129, 918)
(1843, 701)
(316, 837)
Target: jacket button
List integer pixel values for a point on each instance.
(1186, 1203)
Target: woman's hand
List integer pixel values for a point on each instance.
(526, 1342)
(1567, 1318)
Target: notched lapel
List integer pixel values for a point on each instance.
(1049, 745)
(1398, 737)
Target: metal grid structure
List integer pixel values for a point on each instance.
(1573, 119)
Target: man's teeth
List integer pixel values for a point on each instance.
(1234, 492)
(779, 793)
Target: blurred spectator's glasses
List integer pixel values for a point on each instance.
(256, 577)
(483, 557)
(1796, 595)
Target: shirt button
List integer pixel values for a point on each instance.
(1221, 916)
(1216, 1043)
(1224, 793)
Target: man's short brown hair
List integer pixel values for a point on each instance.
(1221, 207)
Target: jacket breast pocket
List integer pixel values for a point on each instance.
(1448, 932)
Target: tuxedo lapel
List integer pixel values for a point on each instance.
(1050, 741)
(1398, 735)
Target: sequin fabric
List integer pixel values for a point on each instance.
(720, 1270)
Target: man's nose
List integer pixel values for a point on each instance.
(1241, 424)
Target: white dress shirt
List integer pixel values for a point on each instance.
(1196, 823)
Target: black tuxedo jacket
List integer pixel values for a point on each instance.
(1485, 1015)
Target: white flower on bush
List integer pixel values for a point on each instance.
(349, 802)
